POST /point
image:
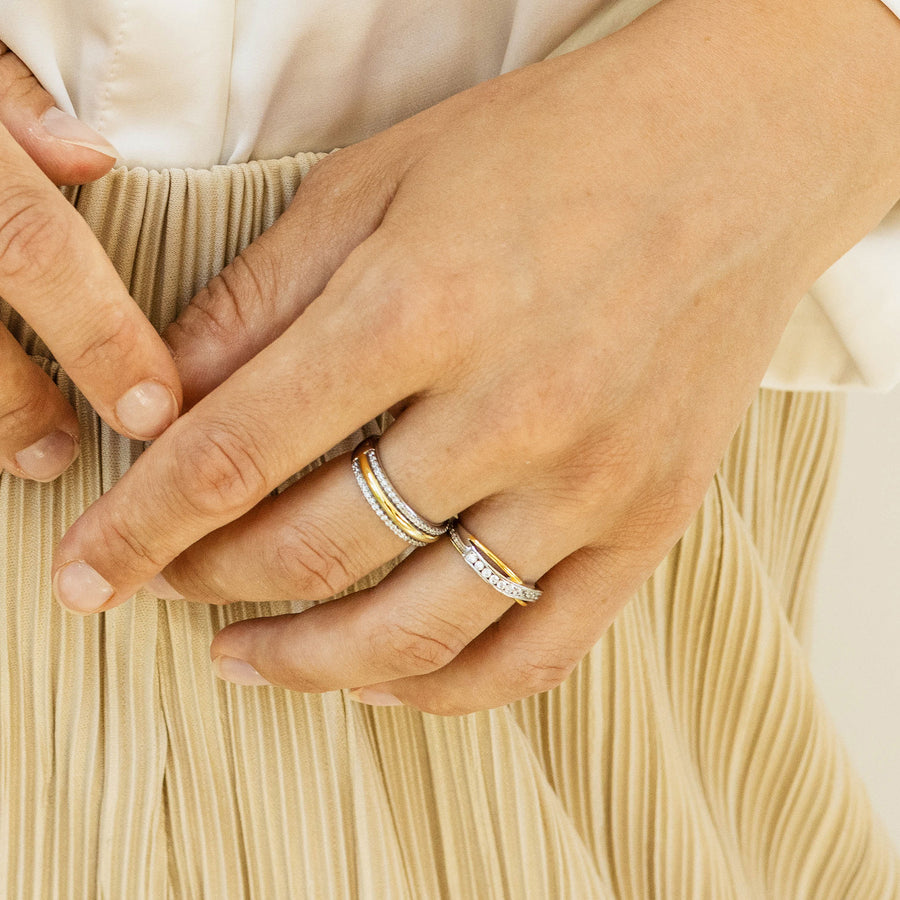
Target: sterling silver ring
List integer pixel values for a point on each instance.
(489, 567)
(388, 505)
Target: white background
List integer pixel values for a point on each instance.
(856, 627)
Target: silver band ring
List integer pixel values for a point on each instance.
(388, 505)
(489, 567)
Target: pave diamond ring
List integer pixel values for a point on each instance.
(388, 505)
(489, 567)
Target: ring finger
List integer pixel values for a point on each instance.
(414, 622)
(320, 537)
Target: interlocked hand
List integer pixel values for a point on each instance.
(567, 284)
(56, 276)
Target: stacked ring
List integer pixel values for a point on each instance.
(389, 506)
(489, 567)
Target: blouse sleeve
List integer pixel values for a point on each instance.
(845, 334)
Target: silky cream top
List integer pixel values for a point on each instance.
(193, 83)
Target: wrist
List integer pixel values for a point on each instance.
(780, 109)
(833, 67)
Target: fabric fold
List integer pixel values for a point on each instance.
(686, 756)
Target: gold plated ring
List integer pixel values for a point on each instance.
(388, 505)
(489, 567)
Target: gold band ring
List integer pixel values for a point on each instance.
(388, 505)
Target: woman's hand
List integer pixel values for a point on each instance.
(55, 275)
(567, 283)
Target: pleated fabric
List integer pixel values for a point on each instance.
(687, 756)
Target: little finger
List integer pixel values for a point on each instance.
(415, 621)
(529, 650)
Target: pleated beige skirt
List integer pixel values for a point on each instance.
(687, 756)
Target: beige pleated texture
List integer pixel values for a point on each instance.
(687, 756)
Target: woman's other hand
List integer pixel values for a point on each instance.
(55, 275)
(568, 284)
(66, 151)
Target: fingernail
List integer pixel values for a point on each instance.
(372, 697)
(80, 588)
(49, 457)
(70, 130)
(147, 410)
(237, 671)
(159, 587)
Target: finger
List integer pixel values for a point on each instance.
(338, 205)
(320, 536)
(314, 540)
(56, 275)
(531, 649)
(415, 621)
(239, 443)
(38, 429)
(66, 150)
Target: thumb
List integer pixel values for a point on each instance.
(66, 150)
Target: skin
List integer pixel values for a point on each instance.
(569, 324)
(57, 277)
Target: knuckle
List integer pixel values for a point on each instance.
(214, 312)
(31, 238)
(539, 671)
(660, 512)
(21, 413)
(416, 644)
(251, 282)
(530, 425)
(225, 306)
(123, 544)
(309, 561)
(339, 179)
(325, 177)
(592, 476)
(411, 317)
(16, 80)
(16, 85)
(680, 494)
(220, 471)
(107, 348)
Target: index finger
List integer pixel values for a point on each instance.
(55, 274)
(332, 371)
